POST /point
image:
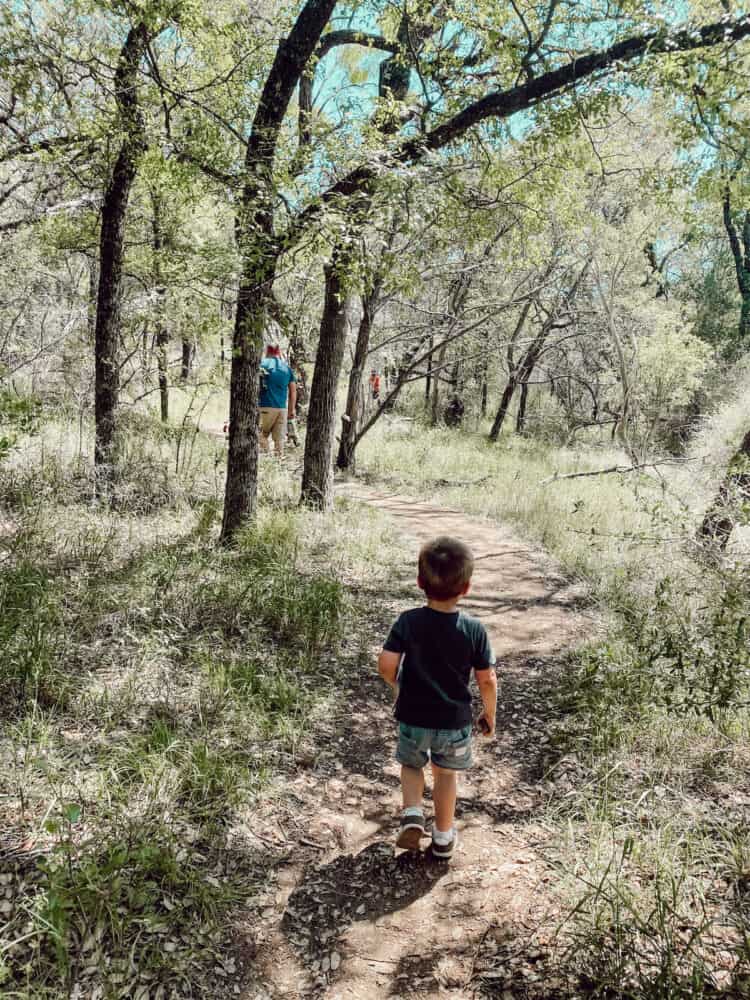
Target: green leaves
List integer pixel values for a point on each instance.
(72, 813)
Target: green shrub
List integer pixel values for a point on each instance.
(127, 908)
(272, 691)
(211, 782)
(672, 655)
(271, 542)
(29, 638)
(263, 585)
(18, 415)
(651, 935)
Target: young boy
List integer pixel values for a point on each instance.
(428, 658)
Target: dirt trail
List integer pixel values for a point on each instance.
(347, 917)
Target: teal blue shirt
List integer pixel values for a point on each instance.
(275, 384)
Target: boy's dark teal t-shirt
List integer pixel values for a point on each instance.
(275, 383)
(440, 651)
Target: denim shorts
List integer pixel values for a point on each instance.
(448, 748)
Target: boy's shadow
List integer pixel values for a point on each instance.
(354, 887)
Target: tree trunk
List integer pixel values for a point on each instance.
(317, 476)
(719, 521)
(435, 402)
(240, 496)
(513, 372)
(254, 230)
(527, 370)
(111, 245)
(162, 342)
(484, 375)
(93, 296)
(428, 378)
(145, 355)
(521, 415)
(741, 254)
(188, 352)
(502, 410)
(350, 423)
(745, 319)
(162, 331)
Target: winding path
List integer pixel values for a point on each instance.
(347, 917)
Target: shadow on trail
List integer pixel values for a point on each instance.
(354, 887)
(557, 598)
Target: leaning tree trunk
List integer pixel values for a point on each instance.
(111, 246)
(521, 414)
(513, 373)
(350, 420)
(719, 521)
(317, 476)
(502, 410)
(162, 331)
(519, 376)
(527, 370)
(254, 228)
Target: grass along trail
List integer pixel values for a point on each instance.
(344, 915)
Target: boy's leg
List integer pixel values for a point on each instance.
(451, 752)
(412, 786)
(412, 817)
(444, 797)
(412, 755)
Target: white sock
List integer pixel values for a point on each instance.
(412, 811)
(442, 837)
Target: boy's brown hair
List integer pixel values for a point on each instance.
(445, 568)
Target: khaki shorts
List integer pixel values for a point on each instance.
(273, 422)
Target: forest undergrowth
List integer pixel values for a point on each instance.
(651, 838)
(152, 686)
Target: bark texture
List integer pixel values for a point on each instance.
(350, 420)
(739, 241)
(111, 244)
(259, 249)
(317, 477)
(188, 352)
(160, 291)
(522, 404)
(395, 76)
(242, 463)
(514, 373)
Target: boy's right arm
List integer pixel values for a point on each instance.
(390, 657)
(388, 664)
(487, 681)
